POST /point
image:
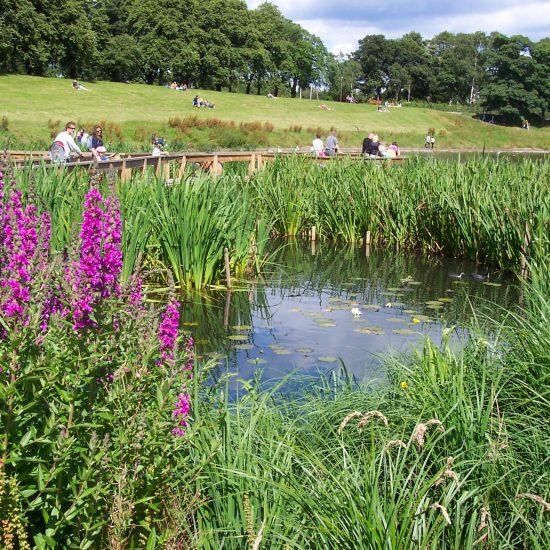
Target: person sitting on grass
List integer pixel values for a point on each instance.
(64, 145)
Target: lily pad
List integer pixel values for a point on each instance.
(282, 351)
(369, 330)
(445, 300)
(256, 361)
(304, 350)
(327, 359)
(241, 327)
(313, 314)
(274, 346)
(435, 306)
(415, 283)
(403, 331)
(395, 320)
(238, 337)
(397, 304)
(433, 303)
(409, 311)
(488, 283)
(245, 346)
(423, 318)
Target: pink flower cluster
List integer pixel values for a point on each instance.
(168, 331)
(100, 261)
(181, 411)
(21, 254)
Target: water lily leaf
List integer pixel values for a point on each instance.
(256, 361)
(415, 283)
(304, 350)
(435, 306)
(433, 303)
(326, 325)
(241, 327)
(409, 311)
(423, 318)
(327, 358)
(403, 331)
(369, 330)
(313, 314)
(274, 346)
(245, 346)
(397, 304)
(393, 289)
(237, 337)
(488, 283)
(281, 351)
(445, 300)
(373, 307)
(396, 320)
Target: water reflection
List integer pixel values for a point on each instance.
(299, 316)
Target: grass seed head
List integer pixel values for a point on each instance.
(535, 498)
(420, 431)
(443, 510)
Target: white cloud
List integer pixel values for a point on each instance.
(341, 25)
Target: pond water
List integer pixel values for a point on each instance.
(298, 317)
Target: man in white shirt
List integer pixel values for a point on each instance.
(64, 143)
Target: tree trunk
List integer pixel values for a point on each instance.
(293, 87)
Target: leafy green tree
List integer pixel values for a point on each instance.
(458, 62)
(375, 55)
(513, 80)
(122, 59)
(25, 36)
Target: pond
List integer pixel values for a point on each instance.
(299, 317)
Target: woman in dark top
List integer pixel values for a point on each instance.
(98, 149)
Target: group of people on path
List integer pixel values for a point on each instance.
(373, 148)
(328, 149)
(66, 146)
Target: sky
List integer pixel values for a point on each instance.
(342, 23)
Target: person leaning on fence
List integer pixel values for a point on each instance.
(64, 144)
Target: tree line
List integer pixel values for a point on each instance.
(221, 44)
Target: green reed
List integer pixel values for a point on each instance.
(487, 210)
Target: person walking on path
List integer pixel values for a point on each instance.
(332, 144)
(64, 144)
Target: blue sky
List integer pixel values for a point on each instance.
(341, 23)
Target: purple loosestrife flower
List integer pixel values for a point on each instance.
(111, 263)
(19, 250)
(100, 262)
(182, 407)
(168, 331)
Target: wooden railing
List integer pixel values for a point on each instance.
(170, 165)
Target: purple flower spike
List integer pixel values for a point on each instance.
(168, 331)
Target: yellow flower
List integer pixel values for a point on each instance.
(404, 385)
(415, 320)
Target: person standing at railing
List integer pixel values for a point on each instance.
(64, 144)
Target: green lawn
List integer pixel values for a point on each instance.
(33, 108)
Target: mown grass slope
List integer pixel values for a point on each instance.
(34, 108)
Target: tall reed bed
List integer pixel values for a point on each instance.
(487, 210)
(184, 227)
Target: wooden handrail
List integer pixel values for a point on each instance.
(209, 162)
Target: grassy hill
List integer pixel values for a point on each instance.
(34, 108)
